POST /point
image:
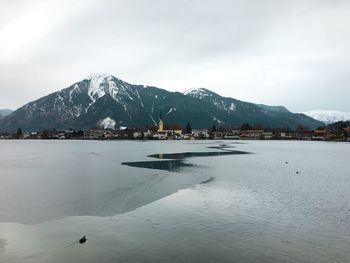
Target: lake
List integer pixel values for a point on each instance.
(174, 201)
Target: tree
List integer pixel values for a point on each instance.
(301, 129)
(345, 135)
(45, 135)
(19, 133)
(188, 128)
(214, 128)
(258, 126)
(246, 126)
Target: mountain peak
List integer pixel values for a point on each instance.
(101, 84)
(199, 93)
(99, 76)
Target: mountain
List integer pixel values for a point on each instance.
(232, 112)
(328, 116)
(339, 125)
(102, 100)
(5, 112)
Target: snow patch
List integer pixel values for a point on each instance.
(215, 99)
(154, 122)
(107, 123)
(170, 111)
(218, 121)
(112, 89)
(96, 89)
(99, 75)
(199, 93)
(232, 107)
(71, 92)
(138, 96)
(102, 84)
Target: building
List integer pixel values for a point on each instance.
(319, 135)
(172, 131)
(253, 134)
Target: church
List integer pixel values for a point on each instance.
(171, 131)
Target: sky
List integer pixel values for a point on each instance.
(294, 53)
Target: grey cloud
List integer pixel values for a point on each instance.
(292, 53)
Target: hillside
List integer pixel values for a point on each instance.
(103, 99)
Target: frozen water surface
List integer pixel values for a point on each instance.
(249, 208)
(48, 180)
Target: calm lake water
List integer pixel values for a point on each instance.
(174, 201)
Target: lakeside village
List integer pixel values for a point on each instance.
(335, 132)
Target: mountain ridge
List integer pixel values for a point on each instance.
(328, 116)
(101, 100)
(5, 112)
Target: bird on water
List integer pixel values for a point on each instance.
(82, 240)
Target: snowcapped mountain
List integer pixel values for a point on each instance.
(328, 116)
(102, 100)
(226, 104)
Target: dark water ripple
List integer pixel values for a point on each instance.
(166, 165)
(175, 161)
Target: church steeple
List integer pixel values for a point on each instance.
(161, 124)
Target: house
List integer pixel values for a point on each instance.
(96, 134)
(286, 135)
(199, 134)
(319, 135)
(232, 134)
(267, 135)
(253, 134)
(218, 135)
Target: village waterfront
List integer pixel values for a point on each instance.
(174, 201)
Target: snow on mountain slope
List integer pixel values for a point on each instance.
(328, 116)
(102, 84)
(209, 96)
(199, 93)
(81, 96)
(96, 89)
(102, 100)
(107, 123)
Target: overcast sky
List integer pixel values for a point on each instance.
(276, 52)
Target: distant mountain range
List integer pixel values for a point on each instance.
(5, 112)
(328, 116)
(102, 100)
